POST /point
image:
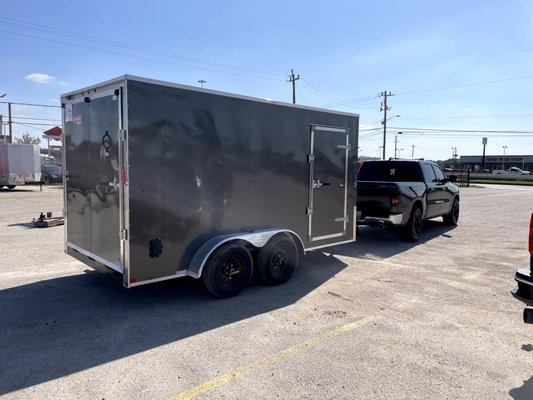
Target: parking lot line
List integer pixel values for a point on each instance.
(247, 369)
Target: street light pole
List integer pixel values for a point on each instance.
(503, 159)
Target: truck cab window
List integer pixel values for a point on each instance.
(438, 173)
(429, 174)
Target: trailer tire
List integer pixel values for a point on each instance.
(228, 270)
(11, 187)
(413, 227)
(277, 260)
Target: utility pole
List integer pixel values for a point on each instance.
(201, 82)
(484, 142)
(454, 156)
(385, 108)
(396, 145)
(503, 159)
(293, 78)
(10, 123)
(412, 151)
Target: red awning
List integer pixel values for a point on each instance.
(54, 133)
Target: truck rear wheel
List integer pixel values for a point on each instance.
(413, 229)
(228, 270)
(452, 218)
(277, 260)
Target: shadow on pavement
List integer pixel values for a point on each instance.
(27, 225)
(382, 243)
(53, 328)
(524, 392)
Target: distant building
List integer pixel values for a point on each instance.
(497, 162)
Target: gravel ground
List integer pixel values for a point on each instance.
(376, 319)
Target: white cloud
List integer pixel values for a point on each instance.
(37, 77)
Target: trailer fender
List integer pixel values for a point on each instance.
(256, 238)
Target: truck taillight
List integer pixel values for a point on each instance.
(531, 236)
(395, 200)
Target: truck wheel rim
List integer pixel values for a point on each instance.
(417, 225)
(456, 213)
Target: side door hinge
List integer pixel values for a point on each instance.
(123, 135)
(123, 234)
(309, 211)
(310, 157)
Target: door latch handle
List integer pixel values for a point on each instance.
(317, 184)
(114, 184)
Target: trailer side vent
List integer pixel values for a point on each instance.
(156, 247)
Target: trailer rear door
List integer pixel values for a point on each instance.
(92, 169)
(327, 181)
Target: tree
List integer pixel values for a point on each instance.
(27, 139)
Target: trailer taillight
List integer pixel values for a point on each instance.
(124, 176)
(531, 236)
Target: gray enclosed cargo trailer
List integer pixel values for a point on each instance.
(166, 180)
(19, 164)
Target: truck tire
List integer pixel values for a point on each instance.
(413, 229)
(228, 270)
(452, 218)
(277, 260)
(11, 187)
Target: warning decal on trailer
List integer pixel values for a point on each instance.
(77, 119)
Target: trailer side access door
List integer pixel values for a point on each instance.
(92, 170)
(328, 174)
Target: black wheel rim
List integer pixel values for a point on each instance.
(231, 271)
(280, 261)
(455, 213)
(417, 224)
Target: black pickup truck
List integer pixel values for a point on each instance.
(405, 193)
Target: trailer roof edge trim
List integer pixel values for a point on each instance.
(202, 90)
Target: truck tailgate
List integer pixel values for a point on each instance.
(373, 198)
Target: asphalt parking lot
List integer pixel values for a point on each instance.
(376, 319)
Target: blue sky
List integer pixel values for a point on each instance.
(342, 50)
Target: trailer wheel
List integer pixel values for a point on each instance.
(277, 260)
(228, 270)
(11, 187)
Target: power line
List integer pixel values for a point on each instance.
(459, 130)
(33, 123)
(465, 85)
(29, 104)
(137, 56)
(35, 118)
(124, 45)
(472, 116)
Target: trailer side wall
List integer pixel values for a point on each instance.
(201, 164)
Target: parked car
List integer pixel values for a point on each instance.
(405, 193)
(515, 170)
(51, 173)
(524, 279)
(511, 171)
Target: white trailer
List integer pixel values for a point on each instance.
(19, 164)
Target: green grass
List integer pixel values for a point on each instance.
(502, 181)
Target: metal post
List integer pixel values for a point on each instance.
(10, 123)
(503, 159)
